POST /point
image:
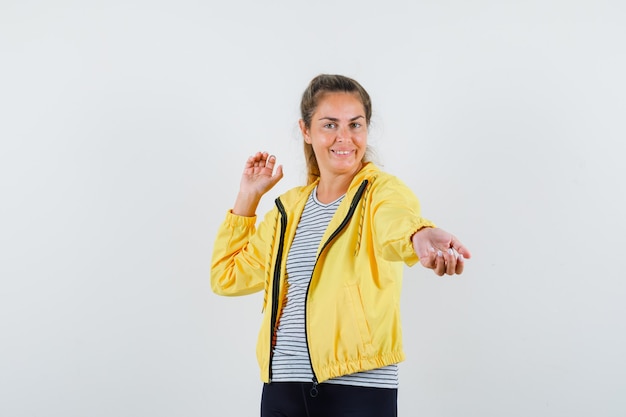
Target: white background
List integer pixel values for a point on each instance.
(124, 126)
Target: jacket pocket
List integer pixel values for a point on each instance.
(359, 317)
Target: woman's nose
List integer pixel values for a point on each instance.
(343, 133)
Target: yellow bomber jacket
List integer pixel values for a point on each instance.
(353, 302)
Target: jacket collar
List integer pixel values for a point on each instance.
(369, 172)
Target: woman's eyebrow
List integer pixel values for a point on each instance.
(334, 119)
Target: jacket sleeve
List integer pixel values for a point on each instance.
(396, 217)
(237, 263)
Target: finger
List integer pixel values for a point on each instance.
(264, 160)
(450, 258)
(460, 264)
(270, 162)
(252, 159)
(460, 248)
(278, 175)
(440, 264)
(279, 172)
(249, 167)
(260, 160)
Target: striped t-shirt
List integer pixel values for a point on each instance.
(290, 362)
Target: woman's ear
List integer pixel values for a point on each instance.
(305, 131)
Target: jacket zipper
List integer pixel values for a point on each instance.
(353, 205)
(276, 279)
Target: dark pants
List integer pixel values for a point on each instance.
(293, 399)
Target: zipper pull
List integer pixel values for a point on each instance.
(314, 390)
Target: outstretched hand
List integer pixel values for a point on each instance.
(440, 251)
(258, 178)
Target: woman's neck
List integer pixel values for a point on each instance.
(330, 188)
(328, 194)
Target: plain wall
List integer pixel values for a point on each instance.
(124, 127)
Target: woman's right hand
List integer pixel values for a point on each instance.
(258, 178)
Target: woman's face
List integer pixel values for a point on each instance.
(338, 134)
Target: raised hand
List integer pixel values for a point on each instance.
(440, 251)
(258, 178)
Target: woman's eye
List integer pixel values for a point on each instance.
(356, 125)
(329, 125)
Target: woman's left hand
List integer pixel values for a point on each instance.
(440, 251)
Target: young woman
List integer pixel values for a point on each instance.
(329, 257)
